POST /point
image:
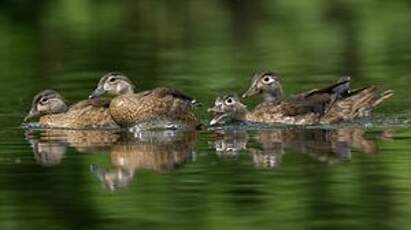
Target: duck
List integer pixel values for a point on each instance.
(160, 108)
(358, 104)
(337, 102)
(52, 112)
(269, 85)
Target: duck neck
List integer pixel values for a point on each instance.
(241, 115)
(127, 90)
(274, 96)
(56, 109)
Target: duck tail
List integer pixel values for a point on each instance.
(358, 104)
(367, 99)
(384, 96)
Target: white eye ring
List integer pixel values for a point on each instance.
(44, 100)
(268, 80)
(111, 80)
(229, 101)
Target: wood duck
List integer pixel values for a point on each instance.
(269, 84)
(52, 111)
(169, 108)
(317, 100)
(336, 102)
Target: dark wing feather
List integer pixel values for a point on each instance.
(332, 89)
(162, 92)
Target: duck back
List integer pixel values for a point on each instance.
(82, 115)
(158, 104)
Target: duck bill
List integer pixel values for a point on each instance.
(253, 90)
(97, 93)
(218, 119)
(213, 110)
(32, 114)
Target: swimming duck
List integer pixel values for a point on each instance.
(316, 100)
(336, 102)
(52, 111)
(160, 107)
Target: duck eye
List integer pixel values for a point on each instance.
(229, 101)
(112, 79)
(44, 100)
(267, 79)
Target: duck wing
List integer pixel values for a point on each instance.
(162, 92)
(316, 100)
(156, 104)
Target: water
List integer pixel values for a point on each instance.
(339, 177)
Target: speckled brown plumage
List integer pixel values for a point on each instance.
(278, 114)
(81, 116)
(358, 105)
(158, 104)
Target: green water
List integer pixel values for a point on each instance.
(355, 177)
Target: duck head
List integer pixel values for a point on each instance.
(113, 84)
(227, 108)
(46, 102)
(266, 83)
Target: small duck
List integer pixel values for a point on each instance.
(229, 108)
(334, 103)
(168, 108)
(52, 111)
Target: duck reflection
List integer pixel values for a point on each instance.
(159, 151)
(228, 143)
(269, 145)
(271, 148)
(48, 154)
(50, 145)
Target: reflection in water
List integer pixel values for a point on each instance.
(49, 146)
(48, 153)
(228, 143)
(331, 146)
(271, 149)
(164, 151)
(160, 151)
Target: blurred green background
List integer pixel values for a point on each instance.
(205, 48)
